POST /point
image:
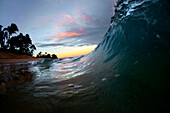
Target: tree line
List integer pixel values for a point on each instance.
(46, 55)
(18, 44)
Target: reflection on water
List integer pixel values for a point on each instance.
(61, 70)
(14, 73)
(45, 74)
(30, 83)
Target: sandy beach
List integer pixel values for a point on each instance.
(6, 57)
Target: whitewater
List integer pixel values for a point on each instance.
(128, 72)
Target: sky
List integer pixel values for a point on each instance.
(62, 27)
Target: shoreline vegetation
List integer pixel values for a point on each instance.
(18, 48)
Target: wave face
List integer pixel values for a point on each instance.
(128, 72)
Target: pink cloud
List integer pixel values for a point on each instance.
(81, 29)
(68, 16)
(59, 25)
(71, 21)
(76, 11)
(66, 35)
(85, 16)
(64, 20)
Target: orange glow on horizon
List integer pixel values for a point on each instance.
(76, 51)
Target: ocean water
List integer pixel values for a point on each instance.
(128, 72)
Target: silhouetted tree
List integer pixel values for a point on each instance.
(27, 46)
(13, 42)
(22, 43)
(46, 55)
(12, 29)
(54, 56)
(1, 27)
(32, 48)
(5, 38)
(39, 54)
(2, 39)
(17, 44)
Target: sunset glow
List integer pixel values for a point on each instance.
(71, 51)
(85, 16)
(68, 16)
(59, 25)
(65, 35)
(71, 21)
(81, 29)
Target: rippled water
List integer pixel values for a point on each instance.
(128, 72)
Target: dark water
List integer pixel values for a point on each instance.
(128, 72)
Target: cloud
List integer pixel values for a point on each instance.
(87, 18)
(81, 29)
(68, 16)
(66, 35)
(43, 45)
(92, 35)
(49, 45)
(71, 21)
(81, 24)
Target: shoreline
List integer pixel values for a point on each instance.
(17, 60)
(7, 57)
